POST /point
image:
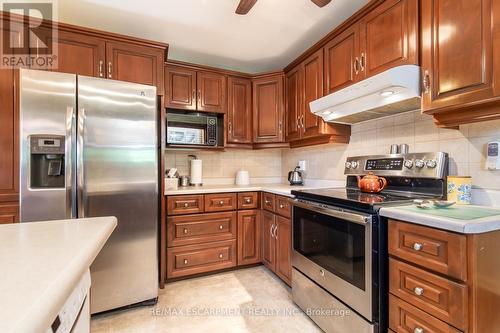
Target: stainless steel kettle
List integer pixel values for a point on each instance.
(295, 177)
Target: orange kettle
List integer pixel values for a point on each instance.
(371, 183)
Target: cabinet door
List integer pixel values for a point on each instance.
(249, 237)
(9, 212)
(211, 92)
(133, 63)
(294, 109)
(78, 54)
(313, 89)
(9, 136)
(342, 60)
(239, 112)
(268, 109)
(283, 236)
(389, 36)
(457, 52)
(180, 88)
(268, 241)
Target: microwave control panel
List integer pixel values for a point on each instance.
(212, 131)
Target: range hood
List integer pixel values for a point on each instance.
(394, 91)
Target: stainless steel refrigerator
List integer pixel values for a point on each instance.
(89, 148)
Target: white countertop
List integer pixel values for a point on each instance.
(280, 189)
(475, 226)
(41, 263)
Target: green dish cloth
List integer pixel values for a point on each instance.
(455, 212)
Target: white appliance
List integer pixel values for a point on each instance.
(74, 315)
(493, 159)
(394, 91)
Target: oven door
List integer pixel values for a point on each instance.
(333, 247)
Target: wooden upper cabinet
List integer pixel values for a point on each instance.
(211, 92)
(313, 89)
(294, 105)
(342, 60)
(389, 37)
(239, 112)
(134, 63)
(180, 88)
(457, 55)
(268, 109)
(78, 54)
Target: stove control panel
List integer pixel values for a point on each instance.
(424, 165)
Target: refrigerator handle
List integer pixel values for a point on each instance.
(80, 179)
(70, 149)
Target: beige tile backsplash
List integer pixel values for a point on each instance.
(466, 146)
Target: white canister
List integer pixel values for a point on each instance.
(196, 172)
(242, 177)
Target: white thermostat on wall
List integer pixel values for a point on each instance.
(493, 159)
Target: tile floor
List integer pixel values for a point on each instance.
(248, 300)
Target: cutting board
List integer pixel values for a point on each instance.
(455, 212)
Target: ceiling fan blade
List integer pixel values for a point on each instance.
(321, 3)
(245, 6)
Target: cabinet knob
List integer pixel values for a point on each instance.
(221, 227)
(248, 200)
(321, 272)
(185, 261)
(185, 231)
(220, 256)
(268, 202)
(186, 205)
(221, 203)
(417, 246)
(418, 291)
(282, 206)
(418, 330)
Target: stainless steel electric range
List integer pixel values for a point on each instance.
(340, 273)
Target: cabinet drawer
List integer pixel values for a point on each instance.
(201, 228)
(440, 297)
(248, 200)
(441, 251)
(283, 207)
(185, 204)
(195, 259)
(220, 202)
(405, 318)
(268, 201)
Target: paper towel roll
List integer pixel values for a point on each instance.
(196, 172)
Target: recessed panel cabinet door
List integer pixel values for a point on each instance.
(239, 112)
(180, 88)
(457, 56)
(211, 92)
(342, 60)
(133, 63)
(294, 110)
(78, 53)
(313, 89)
(283, 236)
(268, 241)
(249, 237)
(389, 36)
(268, 109)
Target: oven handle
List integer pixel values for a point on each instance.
(341, 214)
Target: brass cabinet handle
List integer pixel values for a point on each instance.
(426, 82)
(230, 127)
(356, 66)
(417, 246)
(362, 62)
(110, 70)
(185, 231)
(199, 96)
(303, 122)
(418, 291)
(271, 231)
(298, 123)
(220, 256)
(185, 261)
(101, 64)
(276, 232)
(280, 126)
(248, 200)
(221, 227)
(194, 94)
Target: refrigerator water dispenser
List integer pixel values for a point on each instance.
(46, 161)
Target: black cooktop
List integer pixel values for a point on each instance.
(354, 198)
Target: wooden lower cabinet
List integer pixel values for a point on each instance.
(441, 281)
(283, 238)
(268, 242)
(249, 225)
(9, 212)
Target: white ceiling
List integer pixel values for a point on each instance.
(208, 32)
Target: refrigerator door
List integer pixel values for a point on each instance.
(118, 176)
(47, 102)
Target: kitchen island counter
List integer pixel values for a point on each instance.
(42, 262)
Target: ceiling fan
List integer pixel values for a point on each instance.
(245, 5)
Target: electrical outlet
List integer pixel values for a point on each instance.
(303, 165)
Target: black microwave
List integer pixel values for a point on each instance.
(194, 129)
